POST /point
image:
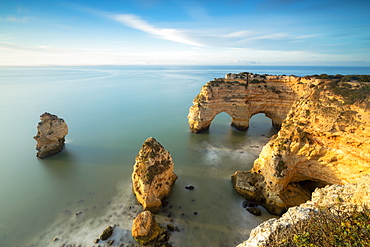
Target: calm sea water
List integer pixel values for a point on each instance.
(110, 111)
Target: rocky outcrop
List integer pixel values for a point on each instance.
(153, 175)
(51, 132)
(244, 95)
(145, 228)
(342, 196)
(323, 140)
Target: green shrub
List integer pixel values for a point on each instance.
(329, 227)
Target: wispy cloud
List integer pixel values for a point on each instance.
(273, 36)
(16, 19)
(238, 34)
(171, 34)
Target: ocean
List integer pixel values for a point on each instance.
(110, 112)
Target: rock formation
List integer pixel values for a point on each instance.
(323, 140)
(244, 95)
(50, 136)
(145, 228)
(108, 231)
(343, 196)
(153, 175)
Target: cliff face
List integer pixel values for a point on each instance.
(349, 194)
(51, 132)
(323, 140)
(153, 175)
(242, 96)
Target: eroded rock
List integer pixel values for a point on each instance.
(242, 96)
(322, 141)
(153, 175)
(342, 196)
(108, 231)
(145, 228)
(51, 132)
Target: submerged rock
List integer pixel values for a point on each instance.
(51, 132)
(145, 228)
(153, 175)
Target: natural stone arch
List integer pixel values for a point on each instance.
(241, 100)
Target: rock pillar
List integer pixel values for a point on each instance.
(51, 132)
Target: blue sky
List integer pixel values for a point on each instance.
(234, 32)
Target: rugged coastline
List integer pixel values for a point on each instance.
(307, 186)
(323, 140)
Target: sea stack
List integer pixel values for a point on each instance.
(51, 132)
(153, 175)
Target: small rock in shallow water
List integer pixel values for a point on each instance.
(110, 242)
(170, 227)
(96, 240)
(255, 211)
(189, 187)
(108, 231)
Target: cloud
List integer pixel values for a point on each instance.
(136, 22)
(238, 34)
(273, 36)
(15, 19)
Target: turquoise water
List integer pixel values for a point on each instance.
(110, 111)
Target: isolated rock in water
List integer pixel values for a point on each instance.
(145, 228)
(108, 231)
(50, 135)
(153, 175)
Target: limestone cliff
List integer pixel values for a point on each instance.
(323, 140)
(153, 175)
(244, 95)
(342, 196)
(51, 132)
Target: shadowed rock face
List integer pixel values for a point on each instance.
(153, 175)
(242, 96)
(51, 132)
(323, 140)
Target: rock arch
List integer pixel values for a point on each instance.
(242, 99)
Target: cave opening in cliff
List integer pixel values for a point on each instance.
(311, 185)
(297, 193)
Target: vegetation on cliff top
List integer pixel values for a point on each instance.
(329, 227)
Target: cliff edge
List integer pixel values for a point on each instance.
(322, 141)
(335, 196)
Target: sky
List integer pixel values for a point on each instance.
(203, 32)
